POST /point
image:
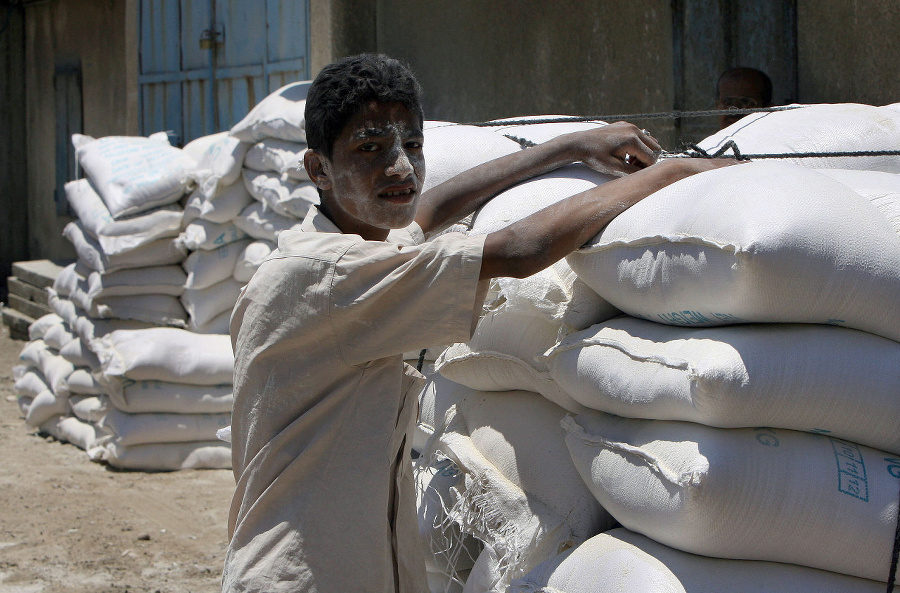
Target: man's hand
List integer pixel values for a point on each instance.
(617, 149)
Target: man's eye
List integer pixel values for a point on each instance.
(414, 144)
(369, 147)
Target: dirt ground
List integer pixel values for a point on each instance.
(68, 524)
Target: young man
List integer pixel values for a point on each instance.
(324, 403)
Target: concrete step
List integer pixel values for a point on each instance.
(29, 308)
(26, 291)
(39, 273)
(17, 322)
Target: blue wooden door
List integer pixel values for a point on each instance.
(205, 63)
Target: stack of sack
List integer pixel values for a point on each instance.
(717, 369)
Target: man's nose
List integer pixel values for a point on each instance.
(401, 166)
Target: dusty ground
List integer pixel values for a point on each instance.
(71, 525)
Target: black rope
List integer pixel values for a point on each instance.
(694, 151)
(629, 116)
(421, 362)
(893, 574)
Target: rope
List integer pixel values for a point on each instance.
(694, 151)
(896, 553)
(630, 116)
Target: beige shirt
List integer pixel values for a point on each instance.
(324, 405)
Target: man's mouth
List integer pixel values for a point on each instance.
(399, 195)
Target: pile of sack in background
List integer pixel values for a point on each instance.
(135, 365)
(702, 398)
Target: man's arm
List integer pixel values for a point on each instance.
(533, 243)
(603, 149)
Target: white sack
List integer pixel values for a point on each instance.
(813, 378)
(203, 234)
(521, 494)
(221, 154)
(758, 242)
(220, 206)
(279, 156)
(161, 252)
(69, 277)
(251, 258)
(89, 328)
(70, 429)
(82, 382)
(158, 309)
(436, 397)
(44, 406)
(261, 223)
(205, 304)
(88, 408)
(525, 318)
(528, 197)
(168, 280)
(881, 189)
(160, 427)
(280, 115)
(451, 149)
(626, 562)
(538, 133)
(208, 267)
(166, 456)
(842, 127)
(743, 493)
(117, 236)
(145, 397)
(39, 326)
(64, 308)
(78, 353)
(29, 380)
(134, 174)
(282, 194)
(53, 367)
(220, 324)
(58, 336)
(166, 354)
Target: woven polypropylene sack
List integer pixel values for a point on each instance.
(813, 378)
(881, 189)
(451, 149)
(759, 242)
(626, 562)
(743, 493)
(823, 128)
(279, 115)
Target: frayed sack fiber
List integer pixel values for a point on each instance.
(520, 493)
(743, 493)
(626, 562)
(757, 242)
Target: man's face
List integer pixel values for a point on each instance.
(376, 171)
(738, 93)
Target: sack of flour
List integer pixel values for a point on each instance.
(758, 242)
(220, 205)
(743, 493)
(260, 222)
(165, 354)
(147, 397)
(881, 189)
(203, 234)
(212, 454)
(520, 493)
(278, 156)
(221, 155)
(280, 115)
(160, 252)
(530, 196)
(207, 267)
(133, 174)
(627, 562)
(160, 427)
(168, 280)
(251, 258)
(525, 318)
(841, 127)
(813, 378)
(538, 131)
(283, 195)
(117, 236)
(203, 304)
(451, 149)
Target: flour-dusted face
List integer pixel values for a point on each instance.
(374, 177)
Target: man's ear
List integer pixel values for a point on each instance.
(317, 167)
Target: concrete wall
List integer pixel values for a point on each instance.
(13, 179)
(94, 33)
(848, 51)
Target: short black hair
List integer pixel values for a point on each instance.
(344, 87)
(758, 77)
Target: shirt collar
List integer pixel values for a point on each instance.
(316, 222)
